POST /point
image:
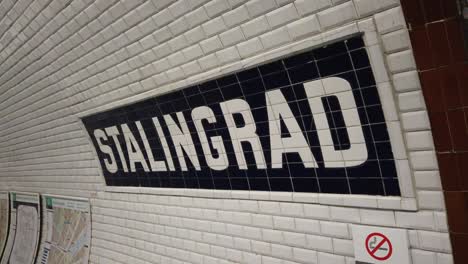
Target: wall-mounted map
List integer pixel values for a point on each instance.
(68, 231)
(24, 229)
(4, 220)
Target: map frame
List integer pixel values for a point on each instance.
(4, 195)
(49, 202)
(17, 199)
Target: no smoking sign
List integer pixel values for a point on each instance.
(380, 245)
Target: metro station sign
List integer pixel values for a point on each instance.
(311, 122)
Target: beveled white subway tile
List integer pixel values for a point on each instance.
(337, 15)
(307, 7)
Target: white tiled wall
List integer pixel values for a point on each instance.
(60, 60)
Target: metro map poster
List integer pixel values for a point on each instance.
(68, 230)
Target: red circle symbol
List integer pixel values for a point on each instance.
(379, 246)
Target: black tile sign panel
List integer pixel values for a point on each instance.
(312, 122)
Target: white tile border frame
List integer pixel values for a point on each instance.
(407, 201)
